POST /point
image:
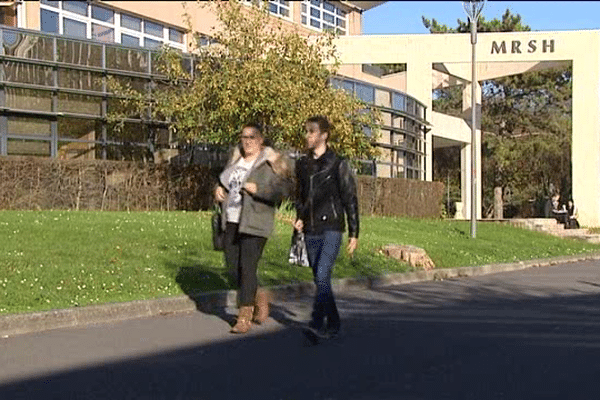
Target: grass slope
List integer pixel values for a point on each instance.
(60, 259)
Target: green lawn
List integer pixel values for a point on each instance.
(60, 259)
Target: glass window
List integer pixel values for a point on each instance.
(75, 150)
(10, 38)
(28, 99)
(153, 29)
(125, 59)
(175, 35)
(19, 147)
(103, 33)
(103, 14)
(328, 6)
(365, 93)
(28, 73)
(78, 52)
(50, 3)
(78, 7)
(152, 44)
(76, 128)
(324, 15)
(273, 8)
(129, 40)
(131, 22)
(49, 21)
(28, 126)
(76, 79)
(74, 28)
(398, 102)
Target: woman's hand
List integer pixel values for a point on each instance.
(220, 194)
(251, 187)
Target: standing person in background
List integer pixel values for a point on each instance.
(326, 195)
(254, 182)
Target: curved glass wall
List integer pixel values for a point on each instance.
(403, 128)
(54, 102)
(54, 97)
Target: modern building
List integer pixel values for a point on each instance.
(56, 56)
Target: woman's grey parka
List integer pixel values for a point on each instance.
(272, 175)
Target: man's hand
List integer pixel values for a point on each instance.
(299, 225)
(250, 187)
(352, 245)
(220, 194)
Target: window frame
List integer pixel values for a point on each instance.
(306, 17)
(116, 27)
(289, 7)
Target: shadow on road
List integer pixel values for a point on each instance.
(436, 340)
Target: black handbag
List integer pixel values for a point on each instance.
(218, 234)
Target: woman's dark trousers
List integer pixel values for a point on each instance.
(242, 253)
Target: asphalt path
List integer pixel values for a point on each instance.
(530, 334)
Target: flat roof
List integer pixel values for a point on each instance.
(363, 5)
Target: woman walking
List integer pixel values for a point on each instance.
(254, 182)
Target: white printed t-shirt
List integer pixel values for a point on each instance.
(236, 180)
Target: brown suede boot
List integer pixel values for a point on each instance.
(261, 306)
(244, 320)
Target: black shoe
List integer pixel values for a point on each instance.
(333, 333)
(320, 333)
(310, 335)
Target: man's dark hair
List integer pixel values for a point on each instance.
(322, 121)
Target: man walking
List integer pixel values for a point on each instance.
(326, 192)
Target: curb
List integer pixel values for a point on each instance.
(19, 324)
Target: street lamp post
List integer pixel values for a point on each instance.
(473, 9)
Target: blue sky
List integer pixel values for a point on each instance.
(405, 16)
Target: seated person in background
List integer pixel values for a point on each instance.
(572, 222)
(559, 213)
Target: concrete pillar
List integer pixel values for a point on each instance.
(466, 166)
(465, 180)
(585, 151)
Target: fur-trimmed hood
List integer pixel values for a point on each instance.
(275, 159)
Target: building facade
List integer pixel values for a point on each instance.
(57, 56)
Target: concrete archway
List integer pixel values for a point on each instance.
(431, 59)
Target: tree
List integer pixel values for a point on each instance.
(526, 125)
(257, 71)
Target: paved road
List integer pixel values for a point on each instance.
(530, 334)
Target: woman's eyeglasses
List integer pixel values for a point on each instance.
(248, 137)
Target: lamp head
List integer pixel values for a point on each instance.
(473, 8)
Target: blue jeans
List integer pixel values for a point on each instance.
(323, 249)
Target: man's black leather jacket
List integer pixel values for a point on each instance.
(326, 191)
